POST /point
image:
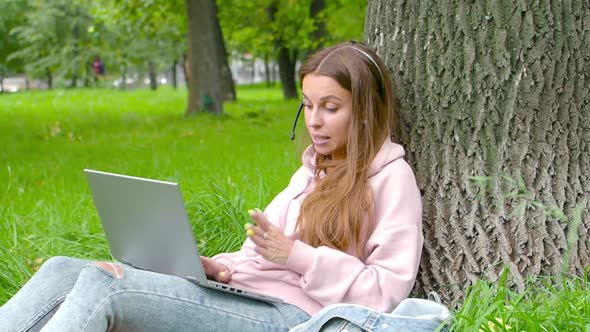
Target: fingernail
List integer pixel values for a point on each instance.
(250, 232)
(251, 212)
(258, 210)
(222, 274)
(247, 225)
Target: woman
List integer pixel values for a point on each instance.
(347, 229)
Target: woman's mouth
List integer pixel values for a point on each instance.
(319, 139)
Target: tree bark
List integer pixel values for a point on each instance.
(495, 118)
(205, 83)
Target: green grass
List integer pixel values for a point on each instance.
(225, 165)
(547, 304)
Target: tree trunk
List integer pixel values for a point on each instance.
(496, 121)
(286, 59)
(153, 76)
(267, 71)
(185, 69)
(205, 83)
(123, 85)
(87, 75)
(229, 90)
(75, 49)
(49, 77)
(174, 79)
(287, 72)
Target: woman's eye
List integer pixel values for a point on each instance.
(331, 108)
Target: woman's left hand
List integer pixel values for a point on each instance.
(270, 242)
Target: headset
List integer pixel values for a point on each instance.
(381, 87)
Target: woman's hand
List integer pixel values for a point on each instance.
(270, 242)
(215, 270)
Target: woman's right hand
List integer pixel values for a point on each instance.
(215, 271)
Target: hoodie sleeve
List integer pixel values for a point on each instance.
(394, 249)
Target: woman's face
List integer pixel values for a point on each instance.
(328, 112)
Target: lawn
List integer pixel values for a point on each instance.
(225, 165)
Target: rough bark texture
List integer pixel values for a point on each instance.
(498, 90)
(205, 83)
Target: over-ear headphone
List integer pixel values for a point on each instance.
(381, 83)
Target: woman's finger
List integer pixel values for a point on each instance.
(260, 220)
(215, 270)
(255, 231)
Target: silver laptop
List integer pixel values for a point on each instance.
(147, 227)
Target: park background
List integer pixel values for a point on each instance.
(494, 110)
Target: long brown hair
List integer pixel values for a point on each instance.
(338, 213)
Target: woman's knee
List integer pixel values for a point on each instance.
(114, 270)
(62, 264)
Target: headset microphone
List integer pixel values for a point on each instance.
(295, 122)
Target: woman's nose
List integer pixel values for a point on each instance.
(314, 118)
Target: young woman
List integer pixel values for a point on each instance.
(347, 229)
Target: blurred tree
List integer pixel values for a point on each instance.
(53, 38)
(12, 14)
(147, 34)
(345, 20)
(318, 15)
(286, 30)
(278, 29)
(205, 64)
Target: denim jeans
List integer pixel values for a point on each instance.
(412, 315)
(69, 294)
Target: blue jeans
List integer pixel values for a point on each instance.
(412, 315)
(69, 294)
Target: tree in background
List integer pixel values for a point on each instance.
(288, 30)
(146, 34)
(205, 64)
(11, 17)
(496, 121)
(54, 40)
(58, 39)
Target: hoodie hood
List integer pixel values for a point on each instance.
(388, 153)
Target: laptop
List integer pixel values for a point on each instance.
(147, 227)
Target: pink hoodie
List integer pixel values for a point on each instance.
(316, 277)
